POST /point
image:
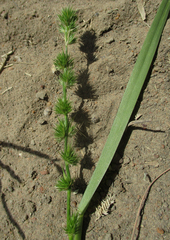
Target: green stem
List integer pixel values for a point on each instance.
(66, 48)
(80, 226)
(68, 205)
(66, 137)
(65, 149)
(70, 237)
(66, 164)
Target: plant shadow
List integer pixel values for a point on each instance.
(81, 117)
(17, 178)
(31, 151)
(12, 220)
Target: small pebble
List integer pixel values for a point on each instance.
(18, 58)
(159, 189)
(41, 189)
(55, 42)
(44, 172)
(53, 69)
(159, 64)
(141, 167)
(96, 14)
(74, 204)
(20, 154)
(46, 199)
(165, 205)
(83, 152)
(121, 161)
(156, 165)
(156, 155)
(41, 95)
(160, 230)
(116, 226)
(11, 188)
(152, 163)
(32, 142)
(146, 177)
(126, 160)
(108, 236)
(109, 40)
(49, 104)
(41, 121)
(63, 225)
(4, 15)
(95, 119)
(49, 199)
(25, 218)
(47, 111)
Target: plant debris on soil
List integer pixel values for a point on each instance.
(109, 39)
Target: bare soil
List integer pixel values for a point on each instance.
(110, 36)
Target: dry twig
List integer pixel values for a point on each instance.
(5, 57)
(138, 216)
(6, 90)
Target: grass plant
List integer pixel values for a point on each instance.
(64, 128)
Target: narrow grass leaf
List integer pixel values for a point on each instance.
(127, 105)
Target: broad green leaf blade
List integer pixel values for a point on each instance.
(127, 105)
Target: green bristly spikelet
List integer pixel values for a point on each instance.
(72, 227)
(70, 156)
(64, 183)
(63, 61)
(68, 77)
(62, 130)
(63, 106)
(68, 18)
(68, 26)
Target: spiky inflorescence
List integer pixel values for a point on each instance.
(102, 210)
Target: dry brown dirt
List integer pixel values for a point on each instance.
(110, 36)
